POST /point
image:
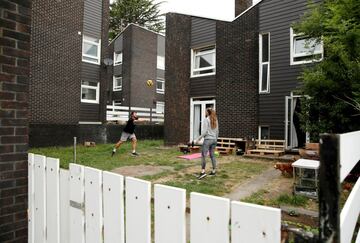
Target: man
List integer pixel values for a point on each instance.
(128, 133)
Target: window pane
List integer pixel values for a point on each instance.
(206, 60)
(91, 39)
(160, 107)
(264, 132)
(88, 94)
(161, 62)
(264, 80)
(265, 47)
(159, 85)
(89, 83)
(118, 81)
(118, 58)
(90, 49)
(305, 46)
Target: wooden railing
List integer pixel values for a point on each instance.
(121, 113)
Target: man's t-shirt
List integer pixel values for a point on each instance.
(130, 126)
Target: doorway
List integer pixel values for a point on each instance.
(197, 114)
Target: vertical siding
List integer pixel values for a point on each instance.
(276, 17)
(90, 72)
(203, 86)
(203, 32)
(160, 45)
(92, 18)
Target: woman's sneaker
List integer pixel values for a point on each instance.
(202, 175)
(212, 173)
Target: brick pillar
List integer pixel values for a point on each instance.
(241, 6)
(15, 18)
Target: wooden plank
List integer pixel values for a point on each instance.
(138, 211)
(254, 223)
(31, 210)
(349, 152)
(64, 205)
(52, 200)
(76, 196)
(93, 205)
(40, 199)
(170, 214)
(113, 192)
(209, 219)
(350, 213)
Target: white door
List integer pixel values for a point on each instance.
(197, 115)
(293, 135)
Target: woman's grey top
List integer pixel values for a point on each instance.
(208, 132)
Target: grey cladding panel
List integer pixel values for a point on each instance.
(118, 44)
(118, 70)
(92, 18)
(203, 32)
(160, 45)
(160, 73)
(89, 112)
(276, 17)
(90, 72)
(203, 86)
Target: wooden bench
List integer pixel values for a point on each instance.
(227, 145)
(267, 146)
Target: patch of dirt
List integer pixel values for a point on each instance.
(141, 170)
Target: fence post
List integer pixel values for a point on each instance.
(74, 149)
(329, 189)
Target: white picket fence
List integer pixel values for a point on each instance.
(121, 113)
(86, 205)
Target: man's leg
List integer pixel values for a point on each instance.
(133, 144)
(121, 141)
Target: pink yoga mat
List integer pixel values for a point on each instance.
(190, 156)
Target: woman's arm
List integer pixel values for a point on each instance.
(205, 129)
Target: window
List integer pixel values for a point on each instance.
(160, 107)
(203, 62)
(264, 63)
(264, 132)
(117, 83)
(118, 57)
(161, 62)
(304, 49)
(91, 50)
(90, 92)
(160, 86)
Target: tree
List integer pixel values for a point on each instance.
(332, 85)
(141, 12)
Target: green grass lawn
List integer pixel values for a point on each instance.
(151, 153)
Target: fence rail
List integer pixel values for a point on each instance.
(84, 204)
(121, 113)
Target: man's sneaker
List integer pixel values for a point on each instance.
(202, 175)
(134, 154)
(212, 173)
(113, 152)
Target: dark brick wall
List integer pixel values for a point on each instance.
(242, 5)
(15, 21)
(63, 135)
(177, 75)
(56, 62)
(237, 76)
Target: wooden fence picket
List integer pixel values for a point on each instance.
(31, 186)
(64, 206)
(40, 199)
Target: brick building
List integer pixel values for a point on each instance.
(68, 78)
(139, 55)
(247, 69)
(15, 21)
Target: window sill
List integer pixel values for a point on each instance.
(87, 61)
(90, 101)
(202, 75)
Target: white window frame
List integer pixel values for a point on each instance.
(160, 62)
(308, 54)
(121, 58)
(97, 88)
(194, 54)
(160, 91)
(117, 88)
(98, 44)
(259, 131)
(160, 103)
(261, 63)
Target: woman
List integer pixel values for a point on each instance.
(210, 134)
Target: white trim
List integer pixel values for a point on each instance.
(98, 44)
(136, 26)
(119, 63)
(259, 131)
(160, 91)
(267, 91)
(89, 123)
(160, 62)
(97, 89)
(246, 10)
(117, 88)
(293, 55)
(194, 55)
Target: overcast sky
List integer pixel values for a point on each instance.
(217, 9)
